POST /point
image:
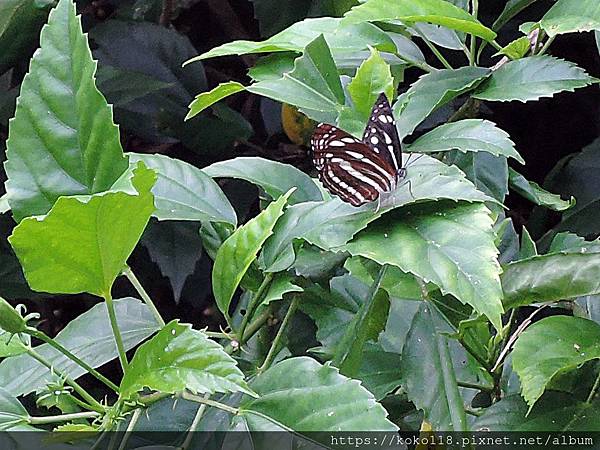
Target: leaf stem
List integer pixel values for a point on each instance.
(473, 48)
(479, 387)
(140, 290)
(48, 340)
(63, 418)
(209, 402)
(130, 426)
(434, 49)
(594, 390)
(275, 345)
(547, 45)
(93, 403)
(253, 303)
(194, 425)
(495, 45)
(110, 306)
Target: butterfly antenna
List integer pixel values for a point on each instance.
(408, 162)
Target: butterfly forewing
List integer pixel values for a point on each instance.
(381, 133)
(348, 167)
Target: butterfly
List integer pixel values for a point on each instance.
(360, 170)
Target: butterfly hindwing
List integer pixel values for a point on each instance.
(348, 167)
(381, 133)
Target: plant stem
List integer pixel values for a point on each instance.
(253, 304)
(94, 404)
(48, 340)
(132, 423)
(275, 345)
(473, 49)
(194, 425)
(421, 65)
(547, 45)
(209, 402)
(474, 386)
(63, 418)
(140, 290)
(110, 306)
(594, 390)
(251, 329)
(434, 50)
(216, 334)
(495, 45)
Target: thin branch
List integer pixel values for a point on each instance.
(547, 45)
(62, 418)
(434, 49)
(254, 302)
(194, 425)
(132, 423)
(140, 290)
(275, 345)
(207, 401)
(110, 306)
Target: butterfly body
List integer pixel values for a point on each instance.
(359, 170)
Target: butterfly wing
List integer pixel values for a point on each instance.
(381, 134)
(349, 168)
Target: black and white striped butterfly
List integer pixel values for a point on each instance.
(359, 170)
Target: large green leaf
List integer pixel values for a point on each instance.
(239, 251)
(313, 85)
(330, 224)
(62, 140)
(379, 370)
(551, 277)
(572, 16)
(511, 9)
(427, 372)
(555, 411)
(272, 176)
(302, 395)
(438, 12)
(83, 243)
(184, 192)
(469, 135)
(552, 346)
(535, 193)
(180, 358)
(372, 78)
(12, 413)
(447, 244)
(89, 337)
(432, 91)
(533, 78)
(339, 37)
(20, 23)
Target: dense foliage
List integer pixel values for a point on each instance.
(290, 308)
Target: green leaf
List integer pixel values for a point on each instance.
(511, 9)
(62, 140)
(282, 284)
(536, 194)
(379, 370)
(469, 135)
(551, 278)
(330, 224)
(449, 245)
(551, 346)
(572, 16)
(180, 358)
(10, 319)
(555, 411)
(313, 86)
(427, 372)
(11, 344)
(528, 247)
(83, 243)
(206, 99)
(432, 91)
(176, 248)
(339, 37)
(184, 192)
(571, 243)
(488, 173)
(272, 176)
(20, 23)
(516, 49)
(239, 251)
(372, 78)
(12, 413)
(89, 337)
(302, 395)
(438, 12)
(533, 78)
